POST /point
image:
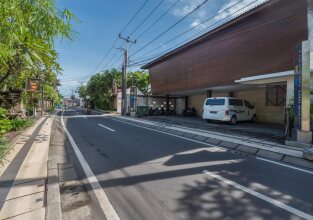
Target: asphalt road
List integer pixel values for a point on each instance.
(151, 175)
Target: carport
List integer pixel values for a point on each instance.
(251, 57)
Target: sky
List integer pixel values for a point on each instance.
(101, 21)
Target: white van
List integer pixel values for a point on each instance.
(228, 109)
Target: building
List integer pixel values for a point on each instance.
(250, 57)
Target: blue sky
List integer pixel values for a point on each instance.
(102, 20)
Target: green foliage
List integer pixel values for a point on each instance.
(3, 149)
(28, 32)
(19, 124)
(102, 87)
(140, 79)
(5, 123)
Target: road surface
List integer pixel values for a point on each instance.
(147, 174)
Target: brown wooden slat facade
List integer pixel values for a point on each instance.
(259, 42)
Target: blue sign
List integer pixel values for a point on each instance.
(298, 87)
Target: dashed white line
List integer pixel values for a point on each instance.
(189, 139)
(106, 127)
(104, 202)
(285, 165)
(261, 196)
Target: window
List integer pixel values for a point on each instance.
(215, 102)
(235, 102)
(275, 95)
(247, 104)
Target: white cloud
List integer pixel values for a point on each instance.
(188, 6)
(197, 23)
(236, 7)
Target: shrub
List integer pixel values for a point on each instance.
(3, 148)
(5, 123)
(18, 124)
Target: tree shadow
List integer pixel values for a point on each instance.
(212, 199)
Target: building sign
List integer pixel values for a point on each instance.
(302, 87)
(133, 98)
(298, 86)
(33, 85)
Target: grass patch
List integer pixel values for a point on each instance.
(3, 149)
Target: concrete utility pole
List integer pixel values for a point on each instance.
(124, 71)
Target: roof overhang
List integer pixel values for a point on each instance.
(267, 78)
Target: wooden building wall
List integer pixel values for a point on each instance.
(260, 43)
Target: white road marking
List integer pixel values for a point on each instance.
(222, 148)
(106, 127)
(200, 142)
(285, 165)
(84, 117)
(260, 196)
(104, 202)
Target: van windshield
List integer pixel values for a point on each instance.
(215, 102)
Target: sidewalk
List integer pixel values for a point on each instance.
(23, 180)
(38, 181)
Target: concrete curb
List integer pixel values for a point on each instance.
(53, 211)
(291, 156)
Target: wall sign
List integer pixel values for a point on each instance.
(133, 98)
(302, 87)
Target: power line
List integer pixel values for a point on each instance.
(160, 35)
(135, 15)
(231, 36)
(158, 19)
(212, 26)
(201, 23)
(116, 39)
(147, 17)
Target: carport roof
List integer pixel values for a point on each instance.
(208, 34)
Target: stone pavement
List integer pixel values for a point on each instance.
(25, 198)
(38, 180)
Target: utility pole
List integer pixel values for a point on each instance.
(124, 71)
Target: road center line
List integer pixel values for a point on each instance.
(106, 127)
(104, 202)
(260, 196)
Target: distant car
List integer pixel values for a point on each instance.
(228, 109)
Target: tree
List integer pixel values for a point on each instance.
(140, 79)
(28, 31)
(100, 88)
(82, 91)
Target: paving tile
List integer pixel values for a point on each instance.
(228, 144)
(26, 188)
(247, 149)
(38, 214)
(200, 138)
(270, 155)
(30, 203)
(213, 141)
(298, 161)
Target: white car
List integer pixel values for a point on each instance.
(228, 109)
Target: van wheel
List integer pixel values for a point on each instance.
(208, 120)
(233, 120)
(253, 119)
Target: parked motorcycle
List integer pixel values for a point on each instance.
(190, 111)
